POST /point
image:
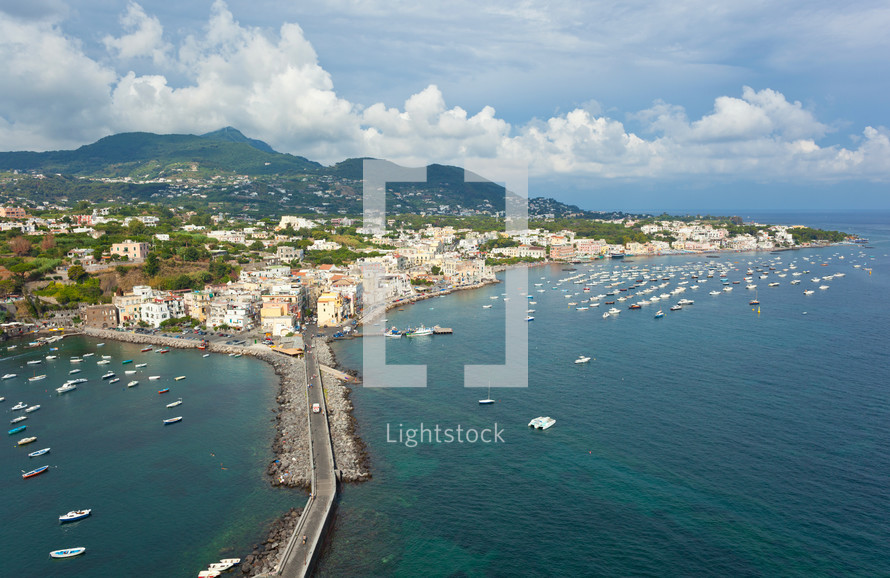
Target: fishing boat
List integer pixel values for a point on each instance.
(37, 377)
(38, 453)
(32, 409)
(419, 332)
(172, 420)
(175, 403)
(74, 515)
(140, 365)
(68, 553)
(393, 332)
(9, 376)
(108, 375)
(582, 359)
(179, 378)
(36, 472)
(18, 429)
(26, 441)
(165, 390)
(144, 349)
(132, 383)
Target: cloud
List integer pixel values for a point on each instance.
(269, 83)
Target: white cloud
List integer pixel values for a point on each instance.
(270, 84)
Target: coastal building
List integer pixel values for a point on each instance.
(275, 318)
(330, 310)
(99, 316)
(562, 252)
(131, 250)
(12, 213)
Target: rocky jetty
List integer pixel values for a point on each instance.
(265, 555)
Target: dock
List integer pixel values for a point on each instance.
(442, 330)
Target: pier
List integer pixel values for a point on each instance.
(300, 556)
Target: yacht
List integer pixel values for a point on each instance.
(66, 388)
(19, 405)
(659, 314)
(9, 376)
(108, 375)
(542, 422)
(175, 403)
(37, 377)
(582, 359)
(132, 383)
(74, 515)
(33, 408)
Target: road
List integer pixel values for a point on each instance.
(299, 556)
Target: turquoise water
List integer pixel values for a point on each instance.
(715, 441)
(166, 500)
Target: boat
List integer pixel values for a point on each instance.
(676, 307)
(9, 376)
(26, 441)
(114, 380)
(74, 515)
(144, 349)
(140, 365)
(126, 361)
(542, 422)
(209, 574)
(206, 355)
(108, 375)
(32, 409)
(18, 429)
(175, 403)
(35, 361)
(100, 345)
(179, 378)
(66, 388)
(486, 306)
(154, 377)
(529, 318)
(808, 292)
(172, 420)
(73, 371)
(487, 400)
(106, 357)
(132, 383)
(37, 377)
(165, 390)
(163, 351)
(75, 360)
(419, 332)
(68, 552)
(19, 405)
(582, 359)
(78, 380)
(130, 372)
(36, 472)
(224, 564)
(103, 362)
(88, 354)
(393, 333)
(38, 453)
(18, 419)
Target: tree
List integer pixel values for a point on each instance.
(151, 267)
(20, 246)
(77, 273)
(257, 246)
(48, 242)
(436, 270)
(190, 254)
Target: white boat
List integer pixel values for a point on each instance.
(209, 574)
(74, 515)
(132, 383)
(32, 409)
(106, 357)
(75, 360)
(154, 377)
(140, 365)
(175, 403)
(66, 388)
(224, 564)
(114, 380)
(19, 405)
(18, 419)
(35, 361)
(486, 306)
(38, 453)
(542, 422)
(582, 359)
(714, 293)
(487, 400)
(179, 378)
(68, 552)
(37, 377)
(52, 356)
(88, 354)
(419, 332)
(9, 376)
(172, 420)
(205, 355)
(808, 292)
(73, 371)
(130, 372)
(103, 362)
(108, 375)
(529, 318)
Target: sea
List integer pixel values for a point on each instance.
(166, 501)
(722, 439)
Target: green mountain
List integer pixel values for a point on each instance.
(142, 155)
(229, 134)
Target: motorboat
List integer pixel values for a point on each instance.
(35, 362)
(73, 371)
(165, 390)
(542, 422)
(75, 360)
(74, 516)
(37, 377)
(26, 441)
(88, 354)
(18, 419)
(130, 372)
(224, 564)
(108, 375)
(36, 472)
(172, 420)
(32, 409)
(132, 383)
(9, 376)
(144, 349)
(19, 405)
(114, 380)
(419, 332)
(582, 359)
(163, 351)
(175, 403)
(659, 314)
(38, 453)
(154, 377)
(18, 429)
(179, 378)
(126, 361)
(66, 388)
(103, 362)
(68, 552)
(140, 365)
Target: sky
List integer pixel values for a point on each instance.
(690, 106)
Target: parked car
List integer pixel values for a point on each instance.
(316, 408)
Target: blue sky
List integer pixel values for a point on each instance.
(614, 105)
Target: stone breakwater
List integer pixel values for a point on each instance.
(264, 557)
(350, 452)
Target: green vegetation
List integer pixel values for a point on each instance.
(808, 235)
